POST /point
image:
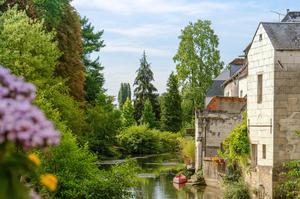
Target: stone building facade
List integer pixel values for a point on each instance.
(273, 98)
(214, 124)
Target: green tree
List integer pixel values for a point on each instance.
(51, 11)
(104, 122)
(144, 89)
(26, 49)
(148, 116)
(124, 94)
(198, 59)
(171, 114)
(70, 66)
(92, 43)
(128, 114)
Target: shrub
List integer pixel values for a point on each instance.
(236, 191)
(233, 174)
(142, 140)
(188, 147)
(237, 145)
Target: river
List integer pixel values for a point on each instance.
(156, 180)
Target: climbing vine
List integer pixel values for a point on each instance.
(237, 145)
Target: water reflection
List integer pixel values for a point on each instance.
(156, 181)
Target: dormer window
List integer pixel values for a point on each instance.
(260, 37)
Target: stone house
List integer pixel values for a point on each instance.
(269, 81)
(273, 101)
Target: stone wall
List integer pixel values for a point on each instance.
(261, 115)
(287, 106)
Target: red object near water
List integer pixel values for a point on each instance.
(179, 179)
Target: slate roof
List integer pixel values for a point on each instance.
(215, 89)
(291, 17)
(284, 35)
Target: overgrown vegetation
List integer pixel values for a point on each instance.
(187, 149)
(142, 140)
(237, 190)
(289, 184)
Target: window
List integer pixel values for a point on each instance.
(260, 37)
(259, 88)
(264, 151)
(241, 93)
(254, 154)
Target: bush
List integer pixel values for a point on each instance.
(289, 185)
(233, 174)
(142, 140)
(188, 147)
(236, 191)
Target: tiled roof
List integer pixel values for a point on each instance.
(238, 61)
(284, 36)
(227, 104)
(292, 17)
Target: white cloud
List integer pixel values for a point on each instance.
(112, 46)
(148, 30)
(127, 7)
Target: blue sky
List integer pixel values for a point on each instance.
(131, 26)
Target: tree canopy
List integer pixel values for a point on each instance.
(171, 113)
(198, 59)
(92, 42)
(144, 89)
(124, 94)
(148, 116)
(128, 114)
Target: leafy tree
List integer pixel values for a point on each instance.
(128, 114)
(171, 114)
(25, 5)
(51, 11)
(92, 42)
(148, 116)
(70, 43)
(124, 94)
(198, 59)
(104, 121)
(25, 48)
(144, 89)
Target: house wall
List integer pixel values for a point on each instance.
(242, 87)
(261, 115)
(231, 89)
(287, 106)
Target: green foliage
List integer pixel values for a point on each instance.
(51, 11)
(79, 177)
(148, 116)
(104, 122)
(128, 114)
(144, 89)
(25, 48)
(171, 114)
(92, 42)
(124, 93)
(142, 140)
(233, 174)
(289, 186)
(237, 190)
(198, 59)
(70, 66)
(237, 145)
(187, 149)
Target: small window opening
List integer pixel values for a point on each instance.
(259, 88)
(254, 154)
(264, 151)
(260, 37)
(241, 93)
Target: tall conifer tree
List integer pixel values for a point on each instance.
(124, 93)
(171, 113)
(70, 66)
(92, 42)
(144, 89)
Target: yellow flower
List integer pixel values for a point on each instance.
(50, 181)
(35, 159)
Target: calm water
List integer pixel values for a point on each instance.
(156, 181)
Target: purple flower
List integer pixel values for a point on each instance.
(20, 121)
